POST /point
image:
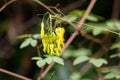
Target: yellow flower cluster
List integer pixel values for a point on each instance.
(53, 41)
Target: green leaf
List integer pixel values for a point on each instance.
(117, 24)
(115, 55)
(70, 18)
(33, 42)
(67, 53)
(36, 58)
(75, 76)
(36, 36)
(117, 76)
(95, 28)
(77, 52)
(97, 62)
(80, 60)
(58, 60)
(24, 36)
(113, 25)
(25, 43)
(86, 79)
(109, 76)
(41, 63)
(76, 12)
(115, 45)
(92, 18)
(97, 31)
(81, 52)
(104, 70)
(48, 60)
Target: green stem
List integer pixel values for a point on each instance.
(50, 23)
(51, 77)
(102, 28)
(59, 18)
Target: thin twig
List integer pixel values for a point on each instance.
(51, 77)
(105, 29)
(14, 74)
(89, 37)
(74, 34)
(5, 5)
(42, 4)
(38, 51)
(62, 19)
(40, 76)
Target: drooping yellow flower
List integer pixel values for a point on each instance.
(51, 49)
(60, 33)
(52, 41)
(42, 30)
(45, 43)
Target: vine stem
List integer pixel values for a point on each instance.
(92, 3)
(5, 5)
(38, 51)
(105, 29)
(51, 77)
(72, 24)
(14, 74)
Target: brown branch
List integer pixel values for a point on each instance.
(80, 24)
(47, 69)
(14, 74)
(87, 36)
(74, 34)
(5, 5)
(86, 13)
(116, 9)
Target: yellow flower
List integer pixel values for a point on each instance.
(52, 41)
(60, 33)
(57, 52)
(44, 42)
(51, 49)
(42, 29)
